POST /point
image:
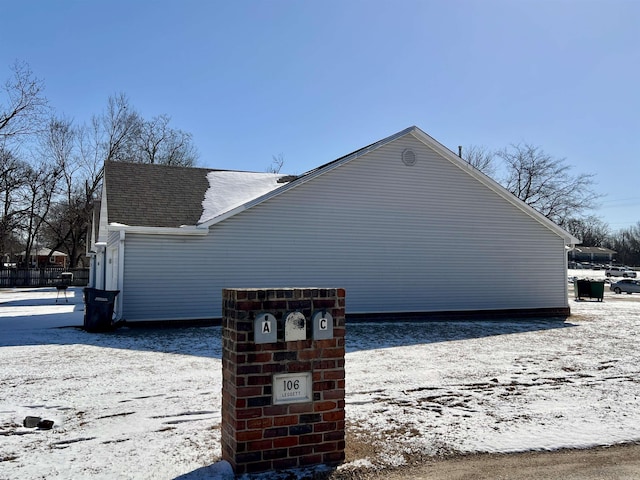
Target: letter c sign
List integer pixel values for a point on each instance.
(322, 325)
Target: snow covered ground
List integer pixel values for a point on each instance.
(146, 403)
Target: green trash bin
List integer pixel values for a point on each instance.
(98, 309)
(597, 290)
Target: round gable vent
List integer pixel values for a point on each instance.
(408, 157)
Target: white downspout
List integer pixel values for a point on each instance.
(568, 248)
(119, 298)
(101, 264)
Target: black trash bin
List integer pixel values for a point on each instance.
(98, 309)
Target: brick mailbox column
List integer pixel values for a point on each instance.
(283, 378)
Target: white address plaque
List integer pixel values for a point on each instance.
(292, 388)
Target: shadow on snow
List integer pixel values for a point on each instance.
(372, 335)
(44, 329)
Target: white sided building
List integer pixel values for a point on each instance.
(404, 225)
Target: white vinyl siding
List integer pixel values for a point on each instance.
(427, 237)
(398, 238)
(169, 278)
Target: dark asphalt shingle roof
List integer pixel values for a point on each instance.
(153, 195)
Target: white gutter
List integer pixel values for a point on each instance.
(186, 230)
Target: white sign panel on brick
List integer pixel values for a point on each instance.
(292, 388)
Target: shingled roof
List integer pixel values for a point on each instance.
(172, 195)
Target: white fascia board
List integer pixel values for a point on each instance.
(493, 185)
(186, 230)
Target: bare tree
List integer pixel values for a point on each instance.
(480, 158)
(626, 243)
(546, 183)
(118, 134)
(67, 221)
(13, 178)
(158, 143)
(90, 156)
(37, 198)
(152, 135)
(118, 129)
(111, 136)
(25, 108)
(277, 162)
(591, 230)
(52, 196)
(58, 144)
(179, 149)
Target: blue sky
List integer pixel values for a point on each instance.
(315, 80)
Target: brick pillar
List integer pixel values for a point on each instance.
(260, 431)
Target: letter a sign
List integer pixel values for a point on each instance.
(265, 328)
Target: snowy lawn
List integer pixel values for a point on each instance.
(146, 403)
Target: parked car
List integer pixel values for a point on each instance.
(626, 286)
(620, 272)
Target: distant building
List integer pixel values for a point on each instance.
(598, 255)
(44, 257)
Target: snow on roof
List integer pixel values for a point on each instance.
(44, 252)
(228, 190)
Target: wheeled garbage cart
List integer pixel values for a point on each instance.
(588, 289)
(98, 309)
